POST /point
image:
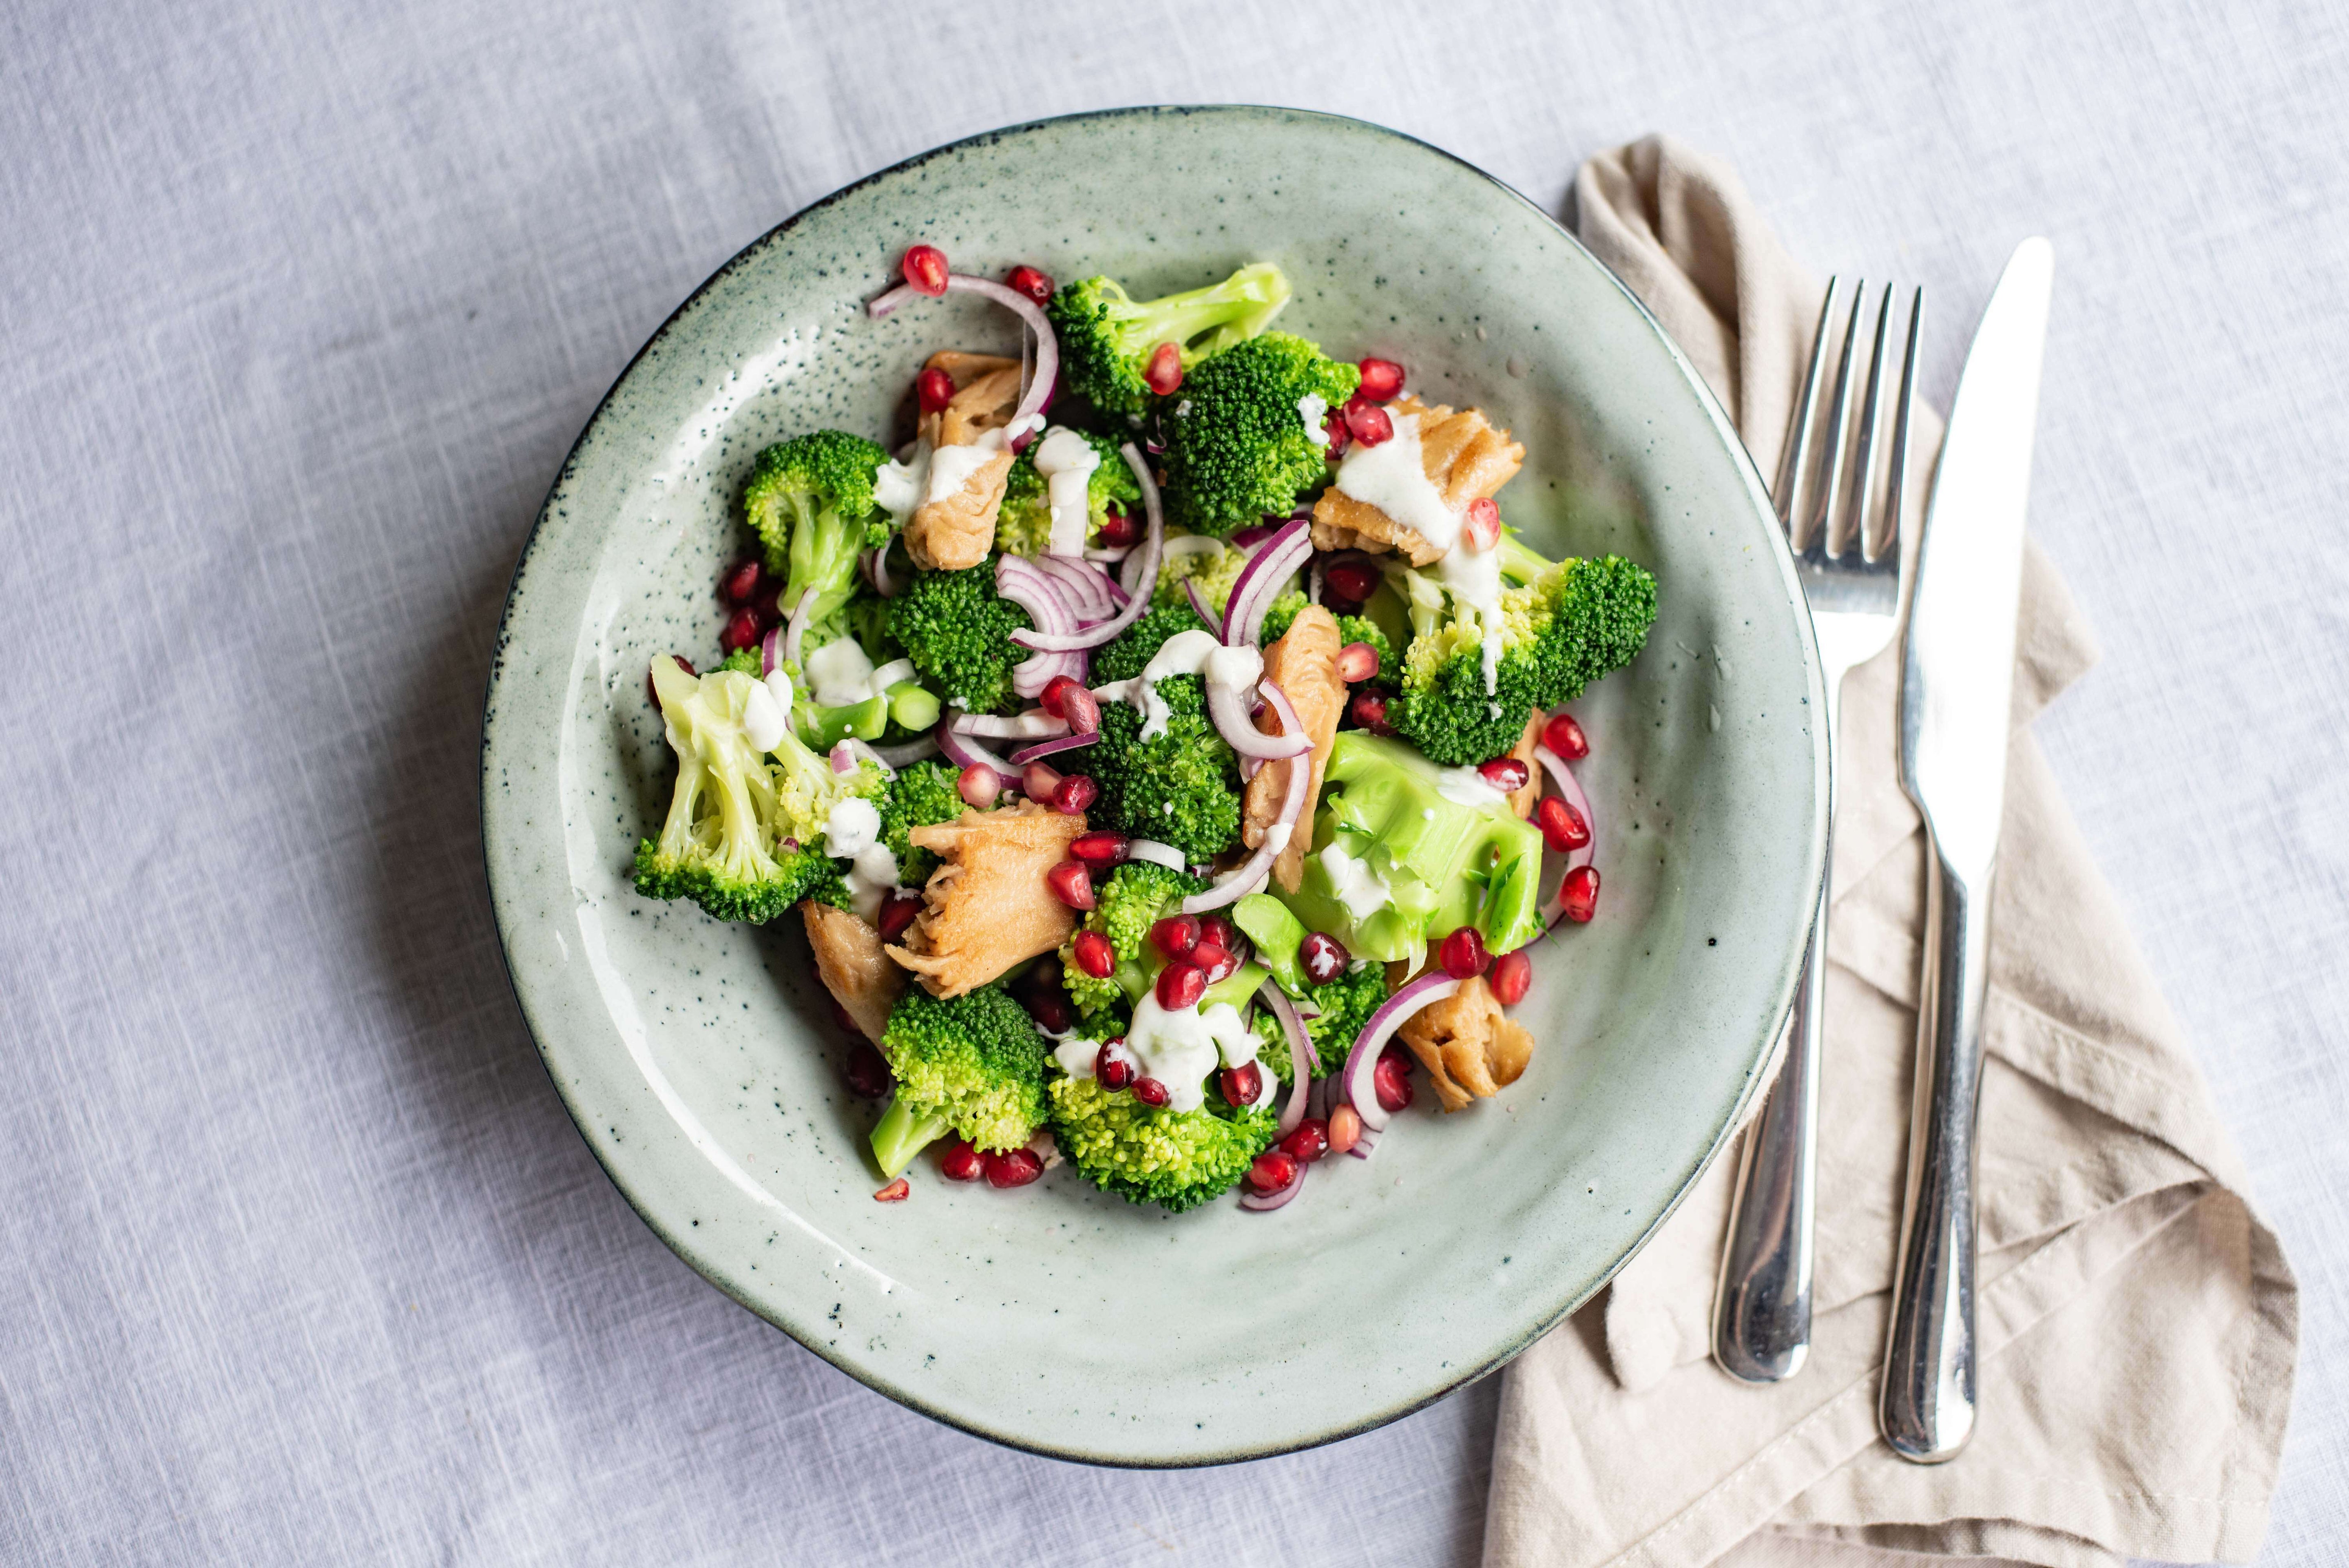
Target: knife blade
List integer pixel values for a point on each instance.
(1956, 681)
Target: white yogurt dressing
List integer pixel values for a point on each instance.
(1067, 461)
(871, 876)
(1467, 787)
(839, 673)
(1472, 577)
(898, 485)
(1313, 408)
(1193, 651)
(764, 719)
(1390, 477)
(1077, 1054)
(854, 824)
(1180, 1047)
(952, 467)
(1354, 883)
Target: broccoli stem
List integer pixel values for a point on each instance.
(903, 1133)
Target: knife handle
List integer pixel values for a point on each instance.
(1927, 1412)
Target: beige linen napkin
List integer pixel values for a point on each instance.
(2137, 1321)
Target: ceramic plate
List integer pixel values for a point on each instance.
(698, 1059)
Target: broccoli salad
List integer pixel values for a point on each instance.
(1165, 749)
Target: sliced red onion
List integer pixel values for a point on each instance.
(1052, 604)
(1033, 724)
(1259, 581)
(1300, 1054)
(1142, 578)
(1255, 534)
(1257, 1202)
(796, 627)
(1570, 787)
(1364, 1142)
(1089, 588)
(843, 760)
(1111, 556)
(1156, 854)
(1244, 878)
(1053, 746)
(895, 757)
(1201, 608)
(1355, 1077)
(771, 651)
(1228, 706)
(874, 565)
(1046, 379)
(965, 752)
(1184, 544)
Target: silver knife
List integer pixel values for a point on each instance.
(1957, 678)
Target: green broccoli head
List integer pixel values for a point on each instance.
(746, 661)
(811, 501)
(1237, 441)
(1561, 627)
(1180, 787)
(922, 793)
(958, 631)
(1024, 525)
(1176, 1159)
(742, 837)
(1135, 897)
(972, 1064)
(1107, 337)
(1215, 572)
(1346, 1003)
(1282, 612)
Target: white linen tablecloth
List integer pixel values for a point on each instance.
(300, 1261)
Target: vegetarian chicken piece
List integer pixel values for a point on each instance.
(1462, 454)
(1523, 801)
(988, 906)
(987, 389)
(1304, 664)
(854, 969)
(957, 529)
(1470, 1048)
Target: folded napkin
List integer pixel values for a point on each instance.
(2137, 1319)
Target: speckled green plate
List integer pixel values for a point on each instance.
(698, 1059)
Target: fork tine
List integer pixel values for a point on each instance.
(1871, 428)
(1892, 530)
(1798, 435)
(1831, 460)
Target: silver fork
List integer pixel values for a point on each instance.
(1762, 1312)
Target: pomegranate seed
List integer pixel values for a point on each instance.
(1352, 580)
(1214, 928)
(1214, 960)
(962, 1162)
(741, 631)
(1013, 1168)
(1164, 372)
(1150, 1092)
(740, 583)
(1562, 827)
(1462, 953)
(1368, 422)
(1381, 380)
(925, 267)
(979, 785)
(766, 604)
(840, 1015)
(1050, 1011)
(653, 691)
(1175, 935)
(1577, 896)
(1242, 1085)
(1067, 698)
(1369, 709)
(1071, 884)
(1272, 1171)
(1356, 662)
(1564, 737)
(1094, 955)
(1037, 285)
(1101, 847)
(896, 1191)
(1180, 985)
(1325, 957)
(1039, 780)
(1345, 1129)
(1340, 438)
(867, 1073)
(934, 390)
(1505, 774)
(1481, 528)
(1115, 1069)
(1074, 793)
(1308, 1141)
(1118, 530)
(1513, 974)
(1392, 1080)
(897, 913)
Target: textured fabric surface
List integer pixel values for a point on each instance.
(2110, 1199)
(301, 306)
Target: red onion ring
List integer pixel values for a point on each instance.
(1058, 744)
(1355, 1076)
(1253, 591)
(1144, 577)
(769, 646)
(1300, 1054)
(1037, 393)
(1235, 884)
(964, 752)
(1229, 707)
(796, 627)
(843, 760)
(1089, 587)
(1111, 556)
(1257, 1202)
(895, 757)
(1157, 854)
(874, 565)
(1201, 608)
(1365, 1141)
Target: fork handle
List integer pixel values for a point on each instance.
(1927, 1409)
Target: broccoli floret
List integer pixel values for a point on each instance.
(742, 835)
(1177, 1158)
(1281, 612)
(973, 1063)
(1128, 653)
(1346, 1003)
(1180, 786)
(1135, 897)
(1237, 446)
(1106, 337)
(958, 631)
(1561, 627)
(811, 501)
(921, 794)
(1024, 525)
(745, 661)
